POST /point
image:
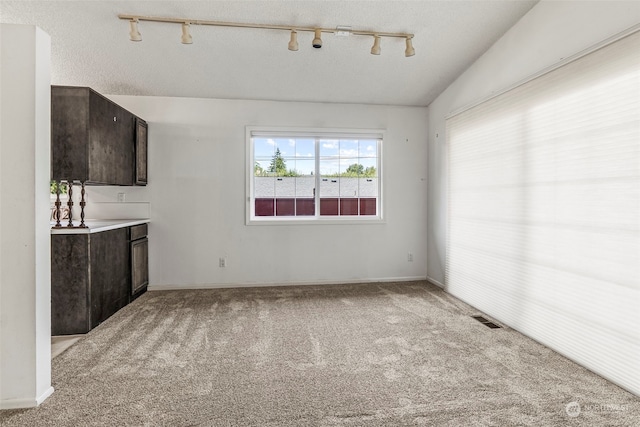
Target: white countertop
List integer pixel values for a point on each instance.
(96, 225)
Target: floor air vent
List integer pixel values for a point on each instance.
(486, 322)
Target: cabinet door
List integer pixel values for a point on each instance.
(141, 152)
(70, 294)
(69, 133)
(139, 265)
(111, 143)
(110, 274)
(126, 162)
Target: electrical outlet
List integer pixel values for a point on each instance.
(410, 257)
(122, 197)
(222, 262)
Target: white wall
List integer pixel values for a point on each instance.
(25, 256)
(549, 33)
(197, 197)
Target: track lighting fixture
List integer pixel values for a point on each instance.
(409, 51)
(134, 34)
(186, 34)
(293, 43)
(317, 40)
(375, 49)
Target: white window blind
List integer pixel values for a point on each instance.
(544, 210)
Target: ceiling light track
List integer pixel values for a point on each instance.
(135, 35)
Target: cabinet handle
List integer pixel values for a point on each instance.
(115, 119)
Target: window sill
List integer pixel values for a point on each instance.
(320, 221)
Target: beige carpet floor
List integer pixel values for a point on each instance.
(378, 354)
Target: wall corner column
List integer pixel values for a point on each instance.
(25, 242)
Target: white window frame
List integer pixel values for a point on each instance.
(331, 133)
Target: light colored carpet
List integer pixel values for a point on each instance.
(390, 354)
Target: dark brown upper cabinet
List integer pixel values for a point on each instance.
(141, 152)
(93, 139)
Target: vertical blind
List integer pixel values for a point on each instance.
(544, 210)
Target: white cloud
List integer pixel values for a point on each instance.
(349, 152)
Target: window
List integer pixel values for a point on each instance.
(313, 175)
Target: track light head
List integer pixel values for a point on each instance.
(317, 41)
(134, 34)
(409, 51)
(375, 49)
(293, 43)
(186, 34)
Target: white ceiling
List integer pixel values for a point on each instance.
(91, 47)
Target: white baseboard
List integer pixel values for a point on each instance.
(435, 282)
(26, 403)
(256, 285)
(44, 396)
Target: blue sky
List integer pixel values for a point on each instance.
(335, 154)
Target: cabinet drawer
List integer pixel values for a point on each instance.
(138, 231)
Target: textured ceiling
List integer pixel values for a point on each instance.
(91, 47)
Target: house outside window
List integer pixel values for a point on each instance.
(313, 175)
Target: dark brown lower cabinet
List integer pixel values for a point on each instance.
(139, 260)
(91, 279)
